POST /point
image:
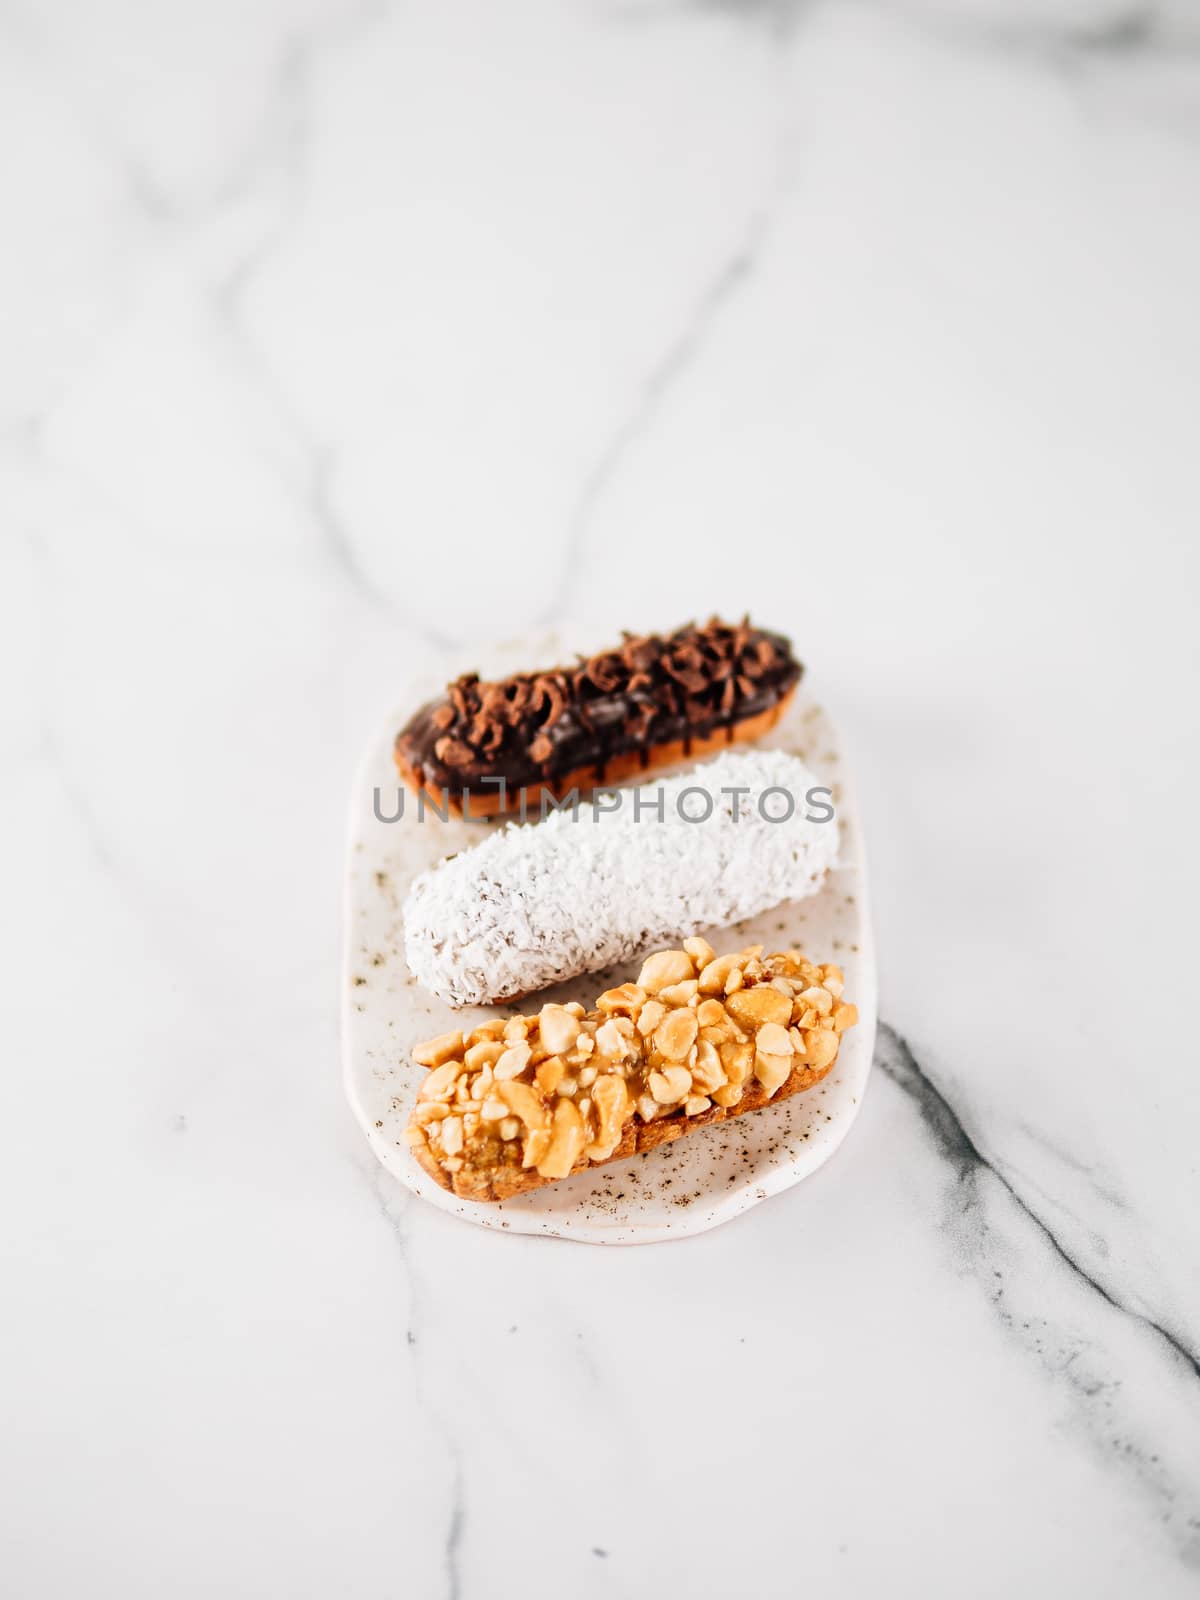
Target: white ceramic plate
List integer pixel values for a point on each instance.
(681, 1188)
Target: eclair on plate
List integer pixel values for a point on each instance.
(654, 699)
(586, 888)
(519, 1103)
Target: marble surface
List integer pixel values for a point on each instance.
(339, 335)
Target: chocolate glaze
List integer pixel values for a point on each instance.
(653, 689)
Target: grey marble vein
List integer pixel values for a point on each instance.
(677, 358)
(1104, 1371)
(50, 754)
(1103, 1187)
(288, 133)
(1128, 31)
(284, 152)
(777, 14)
(895, 1059)
(395, 1204)
(454, 1533)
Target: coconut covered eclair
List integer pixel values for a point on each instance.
(591, 886)
(652, 700)
(522, 1102)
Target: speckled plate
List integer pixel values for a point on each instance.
(681, 1188)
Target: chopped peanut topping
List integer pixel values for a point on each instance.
(553, 1092)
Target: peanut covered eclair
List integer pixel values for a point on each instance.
(654, 699)
(519, 1103)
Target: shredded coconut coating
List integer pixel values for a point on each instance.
(535, 904)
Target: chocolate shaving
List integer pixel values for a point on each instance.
(458, 699)
(454, 752)
(605, 672)
(552, 691)
(639, 655)
(641, 719)
(693, 682)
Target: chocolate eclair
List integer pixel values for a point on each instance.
(654, 699)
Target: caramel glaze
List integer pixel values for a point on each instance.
(746, 671)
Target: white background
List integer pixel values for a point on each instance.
(333, 336)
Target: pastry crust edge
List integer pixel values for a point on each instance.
(586, 780)
(636, 1139)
